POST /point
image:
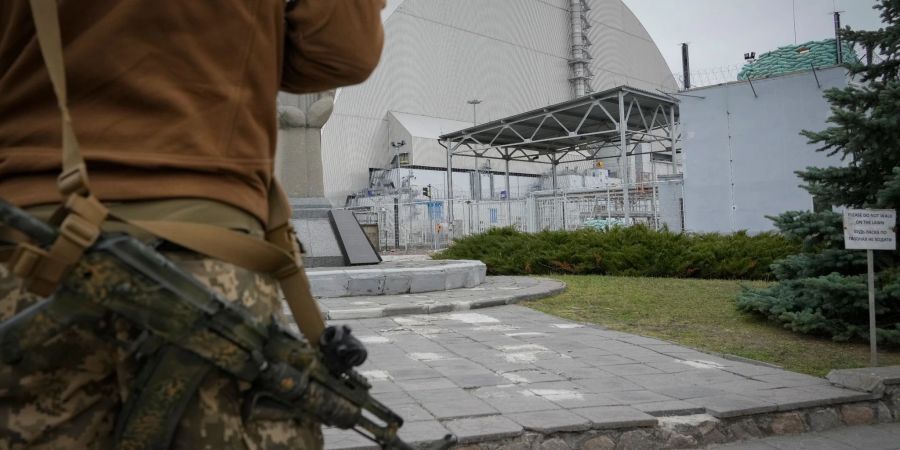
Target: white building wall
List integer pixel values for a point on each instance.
(512, 54)
(741, 151)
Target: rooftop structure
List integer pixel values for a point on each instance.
(576, 130)
(796, 58)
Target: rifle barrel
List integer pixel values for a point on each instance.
(20, 220)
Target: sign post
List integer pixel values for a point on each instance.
(871, 229)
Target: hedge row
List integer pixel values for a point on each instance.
(634, 251)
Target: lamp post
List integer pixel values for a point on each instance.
(397, 186)
(474, 102)
(397, 146)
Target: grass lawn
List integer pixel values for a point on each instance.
(700, 314)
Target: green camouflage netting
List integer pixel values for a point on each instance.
(794, 58)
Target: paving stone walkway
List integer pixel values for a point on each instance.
(495, 291)
(878, 437)
(496, 372)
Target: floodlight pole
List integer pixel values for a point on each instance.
(474, 102)
(623, 142)
(397, 192)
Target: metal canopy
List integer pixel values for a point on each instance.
(621, 118)
(576, 130)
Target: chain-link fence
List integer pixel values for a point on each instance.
(394, 224)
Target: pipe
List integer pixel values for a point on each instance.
(578, 65)
(623, 141)
(686, 65)
(837, 37)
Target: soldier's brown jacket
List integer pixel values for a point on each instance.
(172, 99)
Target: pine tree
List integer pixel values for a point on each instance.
(822, 290)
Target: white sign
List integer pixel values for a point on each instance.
(870, 229)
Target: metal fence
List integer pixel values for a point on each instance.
(426, 224)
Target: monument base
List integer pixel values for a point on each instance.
(324, 243)
(396, 278)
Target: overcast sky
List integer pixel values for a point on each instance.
(721, 31)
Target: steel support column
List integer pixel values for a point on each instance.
(508, 194)
(553, 180)
(623, 164)
(449, 202)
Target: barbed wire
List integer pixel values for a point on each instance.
(711, 76)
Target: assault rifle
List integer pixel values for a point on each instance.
(190, 323)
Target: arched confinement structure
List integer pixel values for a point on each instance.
(513, 55)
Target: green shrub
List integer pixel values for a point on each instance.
(634, 251)
(832, 305)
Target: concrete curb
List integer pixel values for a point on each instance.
(547, 288)
(396, 278)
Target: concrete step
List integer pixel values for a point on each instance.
(495, 291)
(396, 278)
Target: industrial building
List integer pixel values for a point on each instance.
(449, 64)
(492, 89)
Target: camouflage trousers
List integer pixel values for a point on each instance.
(73, 399)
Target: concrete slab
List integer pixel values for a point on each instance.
(494, 372)
(670, 408)
(732, 405)
(614, 417)
(454, 404)
(483, 429)
(869, 379)
(551, 421)
(510, 399)
(418, 433)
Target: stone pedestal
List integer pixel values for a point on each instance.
(298, 166)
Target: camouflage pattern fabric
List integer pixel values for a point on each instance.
(68, 395)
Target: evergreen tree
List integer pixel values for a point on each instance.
(823, 289)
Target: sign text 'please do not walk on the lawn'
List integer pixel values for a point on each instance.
(870, 229)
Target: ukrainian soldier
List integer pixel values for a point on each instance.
(173, 104)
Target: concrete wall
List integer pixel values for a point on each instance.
(512, 54)
(741, 151)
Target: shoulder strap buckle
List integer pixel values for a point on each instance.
(73, 181)
(41, 271)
